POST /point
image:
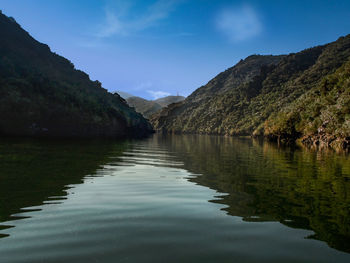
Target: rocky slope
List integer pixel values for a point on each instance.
(148, 107)
(42, 94)
(250, 97)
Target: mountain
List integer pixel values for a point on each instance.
(321, 115)
(143, 106)
(148, 107)
(281, 97)
(124, 95)
(42, 94)
(165, 101)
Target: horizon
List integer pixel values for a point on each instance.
(162, 48)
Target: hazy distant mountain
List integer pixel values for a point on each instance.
(149, 107)
(124, 95)
(289, 96)
(168, 100)
(42, 94)
(143, 106)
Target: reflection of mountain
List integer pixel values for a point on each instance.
(301, 189)
(265, 183)
(32, 172)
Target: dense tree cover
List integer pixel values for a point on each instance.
(323, 109)
(41, 93)
(246, 98)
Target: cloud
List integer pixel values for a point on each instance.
(239, 24)
(158, 94)
(155, 94)
(112, 25)
(124, 18)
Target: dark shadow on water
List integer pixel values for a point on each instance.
(36, 172)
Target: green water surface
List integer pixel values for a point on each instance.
(172, 199)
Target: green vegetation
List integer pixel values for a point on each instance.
(42, 94)
(323, 110)
(259, 96)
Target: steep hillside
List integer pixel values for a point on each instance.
(148, 107)
(197, 113)
(241, 99)
(321, 115)
(42, 94)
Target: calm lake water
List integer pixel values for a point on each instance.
(172, 199)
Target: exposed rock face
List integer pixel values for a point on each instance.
(42, 94)
(264, 95)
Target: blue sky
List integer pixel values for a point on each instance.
(160, 47)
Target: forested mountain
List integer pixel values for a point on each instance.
(288, 96)
(148, 107)
(42, 94)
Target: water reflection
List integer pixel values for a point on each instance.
(264, 182)
(134, 192)
(33, 173)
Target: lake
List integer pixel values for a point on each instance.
(172, 199)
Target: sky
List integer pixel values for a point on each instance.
(156, 48)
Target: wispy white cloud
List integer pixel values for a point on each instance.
(239, 24)
(158, 94)
(124, 18)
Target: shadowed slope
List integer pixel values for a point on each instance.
(42, 94)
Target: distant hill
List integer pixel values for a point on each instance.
(304, 94)
(149, 107)
(143, 106)
(124, 95)
(169, 100)
(42, 94)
